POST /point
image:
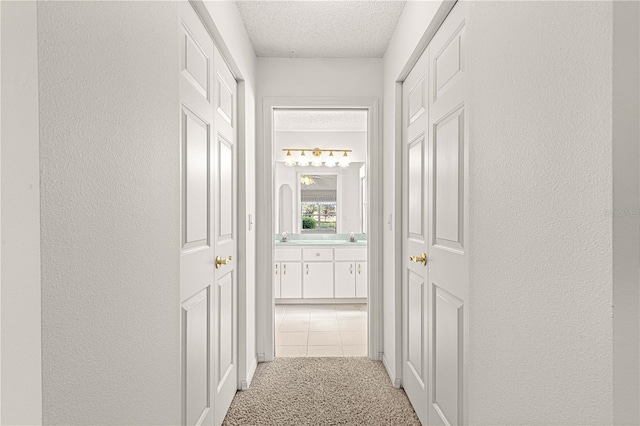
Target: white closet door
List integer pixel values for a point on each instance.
(415, 235)
(197, 245)
(448, 222)
(225, 371)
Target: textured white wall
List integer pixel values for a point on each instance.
(540, 183)
(236, 45)
(285, 77)
(413, 23)
(21, 374)
(110, 212)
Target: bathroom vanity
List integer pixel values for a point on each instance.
(321, 270)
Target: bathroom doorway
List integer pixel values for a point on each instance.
(320, 240)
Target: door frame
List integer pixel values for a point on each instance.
(265, 297)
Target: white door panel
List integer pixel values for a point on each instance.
(208, 224)
(415, 238)
(448, 251)
(225, 322)
(197, 252)
(435, 182)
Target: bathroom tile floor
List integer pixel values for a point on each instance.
(321, 330)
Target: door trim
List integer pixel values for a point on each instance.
(265, 302)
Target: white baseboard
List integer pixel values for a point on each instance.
(261, 358)
(245, 384)
(397, 382)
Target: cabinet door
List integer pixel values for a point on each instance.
(276, 279)
(345, 281)
(361, 279)
(291, 280)
(318, 280)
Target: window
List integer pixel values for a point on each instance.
(319, 214)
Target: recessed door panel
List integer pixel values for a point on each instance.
(448, 140)
(416, 325)
(447, 362)
(416, 188)
(448, 63)
(226, 181)
(197, 354)
(225, 324)
(196, 169)
(417, 100)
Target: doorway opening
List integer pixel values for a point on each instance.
(320, 240)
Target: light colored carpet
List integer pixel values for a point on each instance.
(321, 391)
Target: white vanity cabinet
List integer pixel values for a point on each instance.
(288, 274)
(317, 280)
(361, 279)
(290, 280)
(320, 272)
(345, 280)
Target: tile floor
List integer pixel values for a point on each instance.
(321, 330)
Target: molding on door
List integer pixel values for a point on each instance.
(265, 306)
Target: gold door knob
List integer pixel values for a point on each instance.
(220, 261)
(420, 259)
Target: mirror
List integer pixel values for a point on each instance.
(318, 203)
(285, 206)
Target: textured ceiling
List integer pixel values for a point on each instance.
(320, 120)
(320, 29)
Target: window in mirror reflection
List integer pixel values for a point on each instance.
(318, 213)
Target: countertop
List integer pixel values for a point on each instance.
(323, 243)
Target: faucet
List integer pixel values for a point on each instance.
(285, 237)
(352, 237)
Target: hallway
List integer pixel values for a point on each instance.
(499, 198)
(321, 391)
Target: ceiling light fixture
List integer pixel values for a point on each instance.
(317, 160)
(306, 180)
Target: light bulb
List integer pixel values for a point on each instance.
(317, 161)
(344, 161)
(303, 160)
(331, 161)
(289, 160)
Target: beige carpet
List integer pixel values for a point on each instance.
(321, 391)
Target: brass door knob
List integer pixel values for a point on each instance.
(220, 261)
(420, 259)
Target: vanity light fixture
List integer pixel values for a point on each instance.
(317, 160)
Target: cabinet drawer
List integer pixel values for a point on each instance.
(351, 254)
(317, 254)
(288, 254)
